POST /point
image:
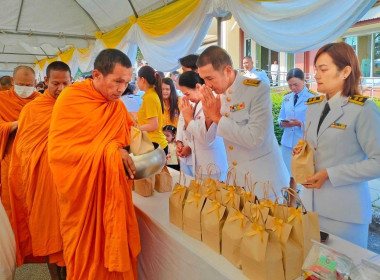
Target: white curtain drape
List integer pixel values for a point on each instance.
(288, 26)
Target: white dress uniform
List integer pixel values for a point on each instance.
(247, 130)
(185, 163)
(348, 147)
(258, 74)
(290, 111)
(206, 146)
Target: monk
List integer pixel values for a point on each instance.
(11, 103)
(89, 128)
(5, 83)
(32, 191)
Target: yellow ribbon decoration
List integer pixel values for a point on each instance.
(278, 225)
(230, 198)
(178, 189)
(216, 206)
(268, 203)
(136, 132)
(248, 196)
(295, 213)
(231, 188)
(195, 198)
(210, 191)
(257, 229)
(256, 208)
(238, 215)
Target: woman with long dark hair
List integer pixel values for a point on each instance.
(150, 115)
(171, 100)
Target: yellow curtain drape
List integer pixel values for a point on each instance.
(164, 20)
(41, 63)
(67, 55)
(112, 39)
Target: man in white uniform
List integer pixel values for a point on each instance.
(252, 72)
(242, 110)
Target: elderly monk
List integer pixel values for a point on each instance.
(11, 103)
(5, 83)
(89, 128)
(32, 191)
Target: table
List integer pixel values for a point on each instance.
(168, 253)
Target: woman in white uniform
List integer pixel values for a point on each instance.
(344, 135)
(205, 145)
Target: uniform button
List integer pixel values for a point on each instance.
(231, 147)
(228, 99)
(226, 115)
(186, 139)
(229, 91)
(234, 163)
(315, 148)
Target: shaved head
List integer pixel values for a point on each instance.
(5, 83)
(24, 76)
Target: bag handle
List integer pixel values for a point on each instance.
(198, 175)
(212, 168)
(231, 174)
(294, 193)
(180, 176)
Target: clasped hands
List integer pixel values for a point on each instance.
(211, 105)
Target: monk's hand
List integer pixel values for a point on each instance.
(317, 180)
(187, 110)
(128, 163)
(186, 151)
(14, 126)
(210, 104)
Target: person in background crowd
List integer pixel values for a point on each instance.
(150, 115)
(206, 146)
(172, 159)
(344, 135)
(11, 103)
(189, 62)
(93, 173)
(5, 83)
(252, 72)
(274, 72)
(40, 87)
(243, 112)
(292, 115)
(130, 99)
(33, 195)
(171, 101)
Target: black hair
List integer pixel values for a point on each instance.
(190, 79)
(129, 90)
(189, 61)
(106, 60)
(153, 79)
(173, 99)
(57, 66)
(295, 73)
(170, 128)
(216, 56)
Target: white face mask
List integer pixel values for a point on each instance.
(24, 91)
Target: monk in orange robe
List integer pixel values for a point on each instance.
(5, 83)
(89, 128)
(11, 103)
(32, 191)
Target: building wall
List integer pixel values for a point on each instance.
(230, 41)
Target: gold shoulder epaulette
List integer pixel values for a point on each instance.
(316, 99)
(358, 99)
(251, 82)
(258, 69)
(312, 91)
(288, 92)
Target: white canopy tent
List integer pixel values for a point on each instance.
(75, 31)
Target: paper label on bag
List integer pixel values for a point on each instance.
(327, 263)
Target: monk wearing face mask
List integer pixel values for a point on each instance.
(11, 103)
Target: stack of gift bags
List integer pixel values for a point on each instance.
(263, 236)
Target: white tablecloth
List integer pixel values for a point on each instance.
(168, 253)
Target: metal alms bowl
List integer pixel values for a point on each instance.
(149, 164)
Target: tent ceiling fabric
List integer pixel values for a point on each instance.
(49, 27)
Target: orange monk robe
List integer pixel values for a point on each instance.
(10, 108)
(33, 195)
(97, 217)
